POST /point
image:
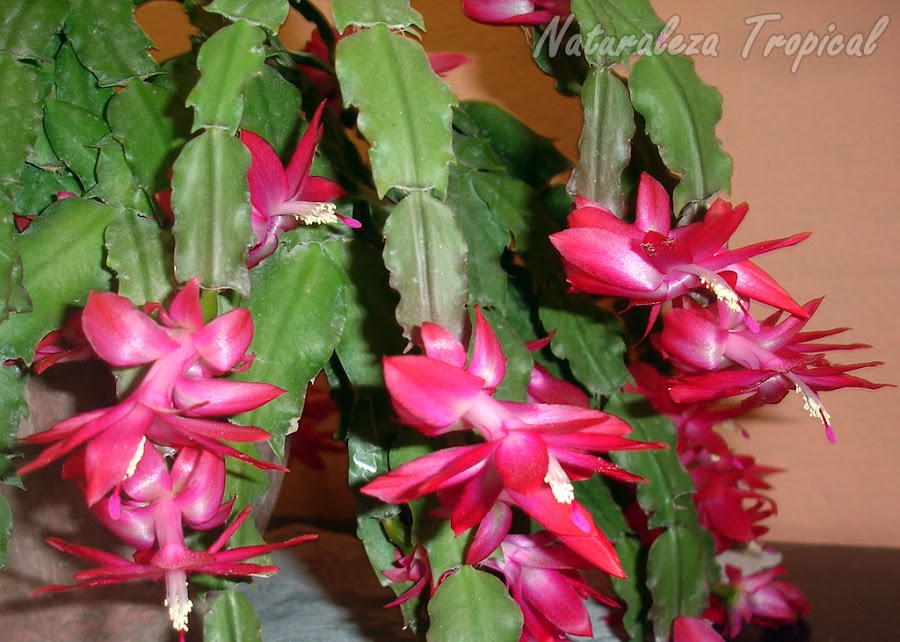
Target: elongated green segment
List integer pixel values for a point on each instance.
(13, 408)
(679, 570)
(62, 260)
(605, 145)
(425, 253)
(227, 62)
(116, 184)
(588, 338)
(486, 240)
(271, 108)
(681, 565)
(75, 135)
(613, 30)
(27, 25)
(473, 605)
(231, 618)
(371, 330)
(141, 118)
(6, 528)
(13, 297)
(75, 84)
(395, 14)
(497, 140)
(140, 252)
(210, 198)
(405, 109)
(299, 310)
(269, 14)
(108, 41)
(681, 113)
(667, 495)
(20, 115)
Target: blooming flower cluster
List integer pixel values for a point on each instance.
(154, 464)
(716, 350)
(527, 455)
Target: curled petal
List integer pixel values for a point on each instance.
(224, 341)
(440, 344)
(185, 311)
(122, 335)
(488, 361)
(221, 397)
(429, 395)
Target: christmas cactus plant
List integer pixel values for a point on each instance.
(530, 356)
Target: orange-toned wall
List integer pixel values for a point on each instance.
(813, 150)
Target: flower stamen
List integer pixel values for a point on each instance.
(559, 482)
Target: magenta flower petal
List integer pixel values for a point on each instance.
(440, 344)
(490, 533)
(653, 211)
(267, 179)
(429, 473)
(185, 309)
(554, 597)
(692, 629)
(429, 394)
(693, 339)
(122, 335)
(522, 461)
(111, 456)
(224, 341)
(487, 361)
(222, 397)
(302, 158)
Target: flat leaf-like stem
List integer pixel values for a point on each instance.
(405, 109)
(425, 253)
(681, 113)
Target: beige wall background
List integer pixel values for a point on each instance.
(814, 150)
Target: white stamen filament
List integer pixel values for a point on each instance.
(723, 293)
(559, 482)
(813, 406)
(177, 601)
(319, 213)
(135, 460)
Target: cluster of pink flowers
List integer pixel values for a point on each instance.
(153, 464)
(717, 350)
(527, 456)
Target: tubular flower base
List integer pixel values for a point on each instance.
(172, 564)
(172, 404)
(531, 454)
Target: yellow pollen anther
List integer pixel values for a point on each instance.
(559, 482)
(813, 406)
(321, 213)
(723, 293)
(135, 460)
(179, 610)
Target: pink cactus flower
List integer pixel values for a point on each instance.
(530, 455)
(172, 562)
(723, 357)
(762, 598)
(174, 401)
(729, 498)
(283, 198)
(414, 567)
(544, 579)
(650, 263)
(516, 12)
